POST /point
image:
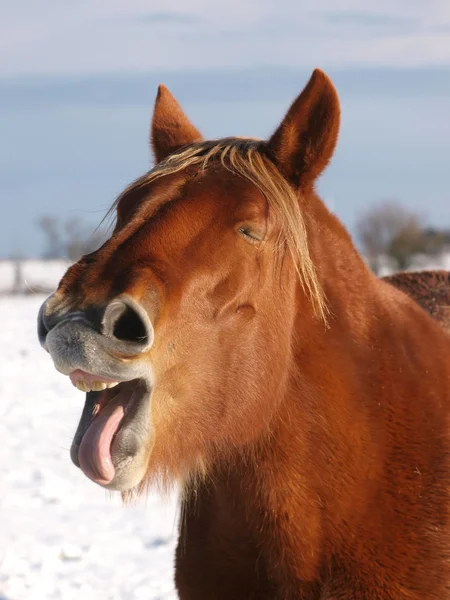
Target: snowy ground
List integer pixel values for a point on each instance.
(31, 275)
(61, 536)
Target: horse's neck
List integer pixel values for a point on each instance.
(267, 519)
(299, 496)
(300, 481)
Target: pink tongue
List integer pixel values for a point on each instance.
(94, 453)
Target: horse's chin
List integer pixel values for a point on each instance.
(114, 437)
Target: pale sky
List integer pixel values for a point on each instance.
(97, 36)
(77, 82)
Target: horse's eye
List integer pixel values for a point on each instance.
(245, 231)
(249, 234)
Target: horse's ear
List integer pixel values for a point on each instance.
(303, 144)
(171, 129)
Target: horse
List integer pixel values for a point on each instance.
(231, 340)
(430, 289)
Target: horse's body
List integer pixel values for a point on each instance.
(430, 289)
(301, 403)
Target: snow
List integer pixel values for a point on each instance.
(61, 536)
(34, 275)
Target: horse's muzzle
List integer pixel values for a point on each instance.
(103, 350)
(101, 340)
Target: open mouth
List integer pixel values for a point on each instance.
(112, 427)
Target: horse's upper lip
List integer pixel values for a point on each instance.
(75, 345)
(88, 382)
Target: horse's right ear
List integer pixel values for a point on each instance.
(171, 129)
(303, 144)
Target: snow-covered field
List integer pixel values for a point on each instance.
(61, 536)
(31, 275)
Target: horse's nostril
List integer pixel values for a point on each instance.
(130, 328)
(127, 321)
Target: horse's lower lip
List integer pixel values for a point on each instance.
(94, 452)
(112, 431)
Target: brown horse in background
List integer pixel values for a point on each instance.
(430, 289)
(230, 338)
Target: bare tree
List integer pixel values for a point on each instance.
(50, 228)
(16, 258)
(18, 283)
(80, 239)
(435, 240)
(68, 239)
(390, 229)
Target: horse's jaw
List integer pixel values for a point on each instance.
(113, 439)
(114, 436)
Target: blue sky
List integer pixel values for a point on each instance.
(78, 80)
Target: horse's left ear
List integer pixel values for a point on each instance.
(303, 144)
(171, 129)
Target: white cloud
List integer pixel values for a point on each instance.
(94, 36)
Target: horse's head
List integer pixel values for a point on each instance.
(180, 326)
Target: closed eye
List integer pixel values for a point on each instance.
(249, 234)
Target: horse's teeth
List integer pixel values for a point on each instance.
(81, 385)
(98, 386)
(95, 386)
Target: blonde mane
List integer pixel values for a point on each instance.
(244, 157)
